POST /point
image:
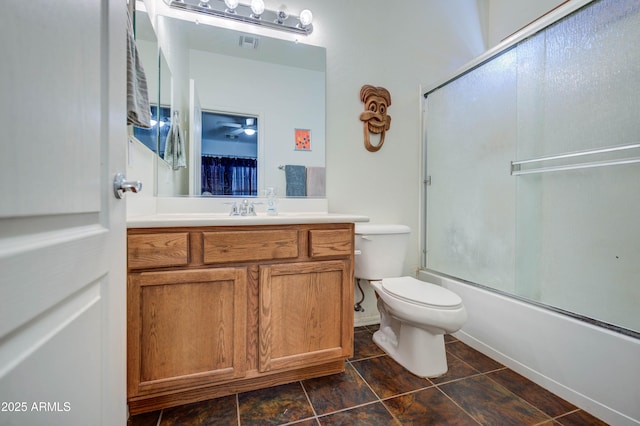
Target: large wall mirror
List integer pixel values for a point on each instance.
(241, 101)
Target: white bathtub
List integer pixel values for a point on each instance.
(592, 367)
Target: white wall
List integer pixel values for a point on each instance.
(505, 17)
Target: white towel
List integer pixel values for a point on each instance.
(174, 149)
(138, 108)
(316, 182)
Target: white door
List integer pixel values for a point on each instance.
(62, 232)
(195, 141)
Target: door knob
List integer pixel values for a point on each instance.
(122, 185)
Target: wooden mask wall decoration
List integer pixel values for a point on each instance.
(375, 118)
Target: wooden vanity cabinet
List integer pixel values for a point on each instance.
(189, 328)
(214, 311)
(301, 314)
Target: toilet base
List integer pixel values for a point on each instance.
(417, 350)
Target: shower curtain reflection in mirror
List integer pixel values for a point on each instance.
(229, 176)
(229, 156)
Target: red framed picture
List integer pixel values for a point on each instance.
(303, 140)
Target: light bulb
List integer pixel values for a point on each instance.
(231, 5)
(257, 7)
(249, 132)
(306, 17)
(282, 14)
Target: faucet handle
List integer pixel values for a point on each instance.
(234, 209)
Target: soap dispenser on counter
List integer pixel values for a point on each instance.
(272, 201)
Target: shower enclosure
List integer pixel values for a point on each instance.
(532, 167)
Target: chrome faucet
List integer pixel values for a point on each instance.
(245, 208)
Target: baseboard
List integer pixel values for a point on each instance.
(368, 320)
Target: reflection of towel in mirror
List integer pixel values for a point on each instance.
(316, 182)
(174, 149)
(138, 108)
(296, 177)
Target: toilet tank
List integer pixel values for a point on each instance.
(380, 250)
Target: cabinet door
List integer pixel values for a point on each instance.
(186, 328)
(306, 314)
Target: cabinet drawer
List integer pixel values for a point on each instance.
(158, 250)
(241, 246)
(330, 242)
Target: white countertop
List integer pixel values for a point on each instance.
(161, 220)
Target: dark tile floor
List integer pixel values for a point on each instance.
(374, 390)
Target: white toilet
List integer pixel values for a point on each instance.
(414, 315)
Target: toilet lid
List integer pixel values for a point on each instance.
(420, 292)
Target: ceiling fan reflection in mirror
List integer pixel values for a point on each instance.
(248, 127)
(225, 126)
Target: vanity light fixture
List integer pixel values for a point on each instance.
(254, 13)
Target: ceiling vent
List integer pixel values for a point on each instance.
(249, 42)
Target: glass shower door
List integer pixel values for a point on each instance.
(533, 160)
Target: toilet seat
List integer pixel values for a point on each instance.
(421, 293)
